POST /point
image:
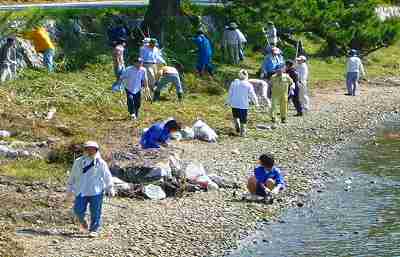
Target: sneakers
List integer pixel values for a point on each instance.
(133, 117)
(93, 234)
(299, 114)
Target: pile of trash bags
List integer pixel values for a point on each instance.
(200, 130)
(170, 177)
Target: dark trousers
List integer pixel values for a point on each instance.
(240, 114)
(296, 100)
(133, 101)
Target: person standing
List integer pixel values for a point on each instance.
(302, 70)
(205, 53)
(90, 178)
(8, 63)
(294, 94)
(152, 57)
(271, 34)
(240, 93)
(355, 70)
(272, 63)
(135, 78)
(280, 87)
(233, 42)
(168, 75)
(43, 44)
(118, 60)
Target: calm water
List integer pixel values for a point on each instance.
(357, 215)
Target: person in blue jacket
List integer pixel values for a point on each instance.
(272, 63)
(159, 134)
(267, 178)
(205, 53)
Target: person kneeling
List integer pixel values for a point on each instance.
(267, 178)
(159, 134)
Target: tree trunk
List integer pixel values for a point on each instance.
(156, 14)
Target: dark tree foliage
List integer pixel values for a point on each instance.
(342, 24)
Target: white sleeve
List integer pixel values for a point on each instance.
(253, 95)
(230, 93)
(362, 71)
(108, 182)
(242, 38)
(72, 180)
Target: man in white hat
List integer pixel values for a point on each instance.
(241, 92)
(233, 42)
(90, 178)
(302, 70)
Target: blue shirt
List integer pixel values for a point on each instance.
(151, 55)
(262, 175)
(272, 62)
(154, 136)
(204, 45)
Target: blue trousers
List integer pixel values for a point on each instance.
(95, 205)
(170, 78)
(352, 82)
(48, 59)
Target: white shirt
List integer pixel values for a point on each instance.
(233, 37)
(240, 94)
(272, 35)
(302, 70)
(151, 55)
(134, 78)
(94, 182)
(354, 64)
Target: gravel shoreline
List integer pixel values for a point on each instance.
(208, 224)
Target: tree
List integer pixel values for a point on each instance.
(157, 13)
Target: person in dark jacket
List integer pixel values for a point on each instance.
(294, 94)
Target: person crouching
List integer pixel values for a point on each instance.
(90, 178)
(159, 134)
(241, 92)
(267, 178)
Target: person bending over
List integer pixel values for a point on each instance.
(159, 134)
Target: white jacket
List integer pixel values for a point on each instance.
(354, 64)
(302, 70)
(240, 94)
(233, 37)
(93, 182)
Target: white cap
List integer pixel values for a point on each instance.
(243, 75)
(301, 58)
(146, 40)
(275, 50)
(91, 144)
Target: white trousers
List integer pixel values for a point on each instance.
(303, 95)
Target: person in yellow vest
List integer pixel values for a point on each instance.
(281, 82)
(43, 44)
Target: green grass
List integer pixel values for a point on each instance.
(34, 170)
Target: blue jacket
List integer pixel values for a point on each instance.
(154, 136)
(271, 63)
(262, 175)
(204, 46)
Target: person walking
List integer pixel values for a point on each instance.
(355, 70)
(280, 87)
(8, 56)
(43, 44)
(90, 178)
(135, 78)
(205, 53)
(241, 92)
(152, 57)
(233, 42)
(271, 35)
(294, 94)
(168, 75)
(118, 60)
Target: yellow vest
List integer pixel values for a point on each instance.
(41, 39)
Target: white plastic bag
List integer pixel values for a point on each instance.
(194, 170)
(154, 192)
(204, 132)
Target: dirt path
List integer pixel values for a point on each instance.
(207, 224)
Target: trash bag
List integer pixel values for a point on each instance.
(203, 132)
(160, 170)
(206, 183)
(117, 87)
(154, 192)
(120, 185)
(194, 170)
(187, 133)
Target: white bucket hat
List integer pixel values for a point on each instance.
(91, 144)
(301, 58)
(243, 75)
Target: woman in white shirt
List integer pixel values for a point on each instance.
(241, 92)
